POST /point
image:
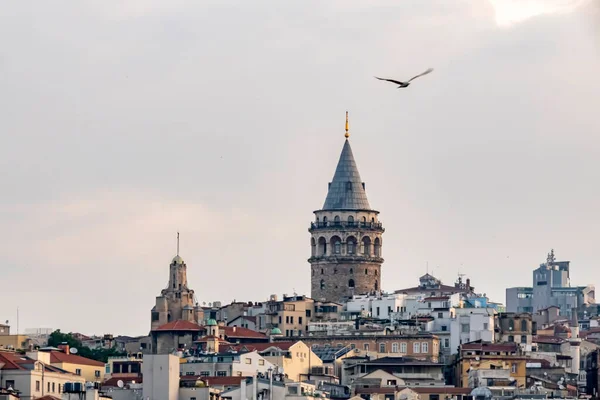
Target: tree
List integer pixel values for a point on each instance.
(57, 338)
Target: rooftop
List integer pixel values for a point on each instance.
(178, 325)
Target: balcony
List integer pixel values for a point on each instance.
(347, 258)
(345, 225)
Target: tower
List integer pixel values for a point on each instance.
(176, 301)
(345, 237)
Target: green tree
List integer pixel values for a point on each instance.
(57, 338)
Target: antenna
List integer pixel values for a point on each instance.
(177, 242)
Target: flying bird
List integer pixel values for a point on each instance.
(405, 84)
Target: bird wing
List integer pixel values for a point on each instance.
(421, 74)
(390, 80)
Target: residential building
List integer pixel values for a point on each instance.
(226, 364)
(33, 377)
(161, 376)
(124, 368)
(421, 346)
(516, 328)
(551, 287)
(391, 371)
(346, 237)
(486, 356)
(430, 286)
(90, 370)
(13, 341)
(244, 321)
(470, 325)
(413, 393)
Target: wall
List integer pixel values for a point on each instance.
(88, 372)
(14, 342)
(300, 358)
(26, 381)
(161, 377)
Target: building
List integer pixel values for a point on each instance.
(14, 341)
(176, 302)
(123, 368)
(346, 237)
(421, 346)
(391, 371)
(488, 356)
(33, 377)
(430, 286)
(516, 328)
(551, 287)
(161, 377)
(470, 325)
(231, 363)
(90, 370)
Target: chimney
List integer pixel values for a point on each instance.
(234, 328)
(64, 347)
(468, 284)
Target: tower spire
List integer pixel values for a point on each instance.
(347, 134)
(178, 243)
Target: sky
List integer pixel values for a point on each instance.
(123, 122)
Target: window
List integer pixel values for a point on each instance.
(292, 319)
(350, 218)
(351, 283)
(524, 325)
(382, 347)
(97, 374)
(511, 339)
(59, 388)
(513, 368)
(511, 324)
(77, 371)
(485, 326)
(350, 247)
(391, 382)
(424, 347)
(446, 342)
(221, 373)
(10, 384)
(49, 386)
(248, 361)
(524, 339)
(444, 328)
(352, 346)
(440, 315)
(378, 311)
(280, 319)
(190, 373)
(416, 347)
(366, 271)
(107, 369)
(261, 362)
(434, 397)
(204, 373)
(465, 328)
(192, 398)
(336, 220)
(337, 246)
(37, 386)
(394, 347)
(366, 346)
(287, 319)
(402, 347)
(300, 320)
(322, 284)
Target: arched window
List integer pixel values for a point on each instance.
(351, 245)
(524, 325)
(511, 324)
(377, 247)
(350, 220)
(336, 245)
(351, 270)
(366, 271)
(336, 220)
(322, 284)
(313, 247)
(375, 272)
(376, 287)
(364, 221)
(322, 272)
(324, 221)
(351, 283)
(322, 246)
(366, 246)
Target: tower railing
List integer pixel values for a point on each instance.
(345, 225)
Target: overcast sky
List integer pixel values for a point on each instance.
(125, 121)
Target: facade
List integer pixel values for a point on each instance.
(226, 364)
(551, 287)
(391, 371)
(346, 237)
(15, 341)
(33, 378)
(161, 377)
(176, 302)
(470, 325)
(90, 370)
(516, 328)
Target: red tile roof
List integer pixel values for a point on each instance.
(510, 347)
(548, 339)
(10, 360)
(259, 347)
(179, 325)
(57, 357)
(237, 332)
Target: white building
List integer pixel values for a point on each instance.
(470, 324)
(228, 364)
(161, 377)
(378, 306)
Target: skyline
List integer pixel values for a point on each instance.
(148, 119)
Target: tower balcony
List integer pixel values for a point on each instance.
(346, 259)
(345, 225)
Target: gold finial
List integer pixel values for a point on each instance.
(347, 135)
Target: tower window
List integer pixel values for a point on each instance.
(376, 286)
(348, 186)
(338, 247)
(350, 220)
(351, 283)
(322, 284)
(322, 272)
(351, 270)
(336, 220)
(366, 271)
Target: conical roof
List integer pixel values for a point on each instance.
(346, 191)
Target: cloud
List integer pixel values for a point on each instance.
(511, 12)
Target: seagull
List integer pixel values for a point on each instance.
(405, 84)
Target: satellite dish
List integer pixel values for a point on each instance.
(120, 384)
(73, 350)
